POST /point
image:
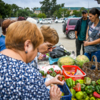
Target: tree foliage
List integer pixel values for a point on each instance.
(49, 7)
(41, 15)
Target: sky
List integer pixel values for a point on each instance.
(68, 3)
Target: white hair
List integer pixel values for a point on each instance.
(31, 20)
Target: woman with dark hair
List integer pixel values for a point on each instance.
(93, 35)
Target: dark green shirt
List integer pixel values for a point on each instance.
(82, 33)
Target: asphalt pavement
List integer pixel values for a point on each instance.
(67, 43)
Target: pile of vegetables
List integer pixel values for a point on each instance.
(84, 89)
(51, 72)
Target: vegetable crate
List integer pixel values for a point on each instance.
(66, 91)
(72, 68)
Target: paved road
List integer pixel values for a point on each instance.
(68, 44)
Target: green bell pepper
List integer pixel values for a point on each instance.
(73, 92)
(92, 98)
(69, 82)
(88, 90)
(87, 98)
(73, 99)
(83, 87)
(79, 95)
(98, 82)
(97, 88)
(85, 94)
(93, 87)
(87, 80)
(93, 83)
(79, 81)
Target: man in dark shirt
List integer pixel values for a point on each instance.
(80, 31)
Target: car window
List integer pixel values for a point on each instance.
(73, 22)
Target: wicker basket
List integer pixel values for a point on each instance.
(94, 74)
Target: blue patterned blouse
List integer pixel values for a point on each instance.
(19, 81)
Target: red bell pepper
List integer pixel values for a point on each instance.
(77, 87)
(95, 94)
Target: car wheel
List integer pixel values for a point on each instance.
(71, 35)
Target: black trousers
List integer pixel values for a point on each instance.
(78, 46)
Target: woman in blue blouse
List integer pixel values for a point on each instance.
(93, 34)
(19, 81)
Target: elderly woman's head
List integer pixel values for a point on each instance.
(24, 36)
(50, 39)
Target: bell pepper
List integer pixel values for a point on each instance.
(79, 81)
(88, 90)
(93, 83)
(95, 94)
(97, 88)
(73, 92)
(87, 98)
(87, 80)
(79, 95)
(69, 82)
(98, 82)
(83, 87)
(85, 95)
(77, 87)
(92, 98)
(93, 87)
(97, 98)
(73, 99)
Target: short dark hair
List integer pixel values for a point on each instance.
(94, 11)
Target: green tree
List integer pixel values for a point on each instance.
(23, 12)
(5, 9)
(41, 15)
(14, 10)
(46, 6)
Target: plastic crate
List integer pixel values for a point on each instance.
(72, 68)
(66, 91)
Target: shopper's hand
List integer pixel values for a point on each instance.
(55, 93)
(86, 43)
(40, 57)
(56, 81)
(76, 37)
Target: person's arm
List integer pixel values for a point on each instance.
(54, 81)
(87, 33)
(76, 29)
(76, 34)
(86, 43)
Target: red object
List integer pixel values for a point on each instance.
(72, 68)
(57, 71)
(60, 78)
(49, 71)
(95, 94)
(77, 87)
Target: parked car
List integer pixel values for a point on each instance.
(46, 21)
(61, 20)
(69, 27)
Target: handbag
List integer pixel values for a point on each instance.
(90, 48)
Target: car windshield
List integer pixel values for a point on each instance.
(73, 21)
